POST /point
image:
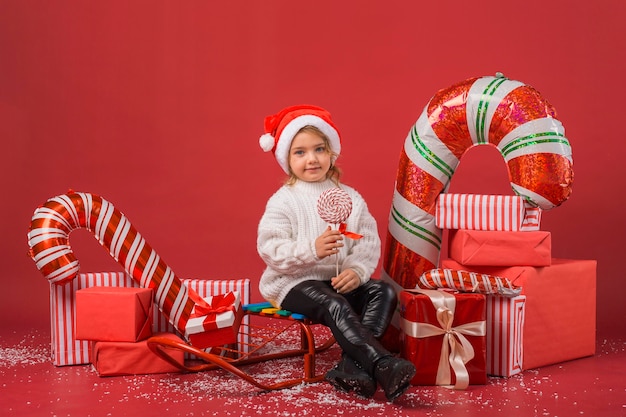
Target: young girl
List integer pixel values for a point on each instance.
(300, 252)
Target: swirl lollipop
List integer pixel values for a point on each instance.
(334, 205)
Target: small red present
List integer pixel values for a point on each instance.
(443, 335)
(216, 322)
(114, 314)
(133, 358)
(505, 334)
(560, 317)
(481, 247)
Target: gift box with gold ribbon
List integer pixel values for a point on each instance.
(444, 335)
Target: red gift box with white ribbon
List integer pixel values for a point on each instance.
(485, 212)
(444, 334)
(505, 335)
(216, 322)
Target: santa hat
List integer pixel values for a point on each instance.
(281, 128)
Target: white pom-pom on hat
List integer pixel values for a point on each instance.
(267, 142)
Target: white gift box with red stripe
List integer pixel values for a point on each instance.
(505, 334)
(215, 323)
(67, 350)
(485, 212)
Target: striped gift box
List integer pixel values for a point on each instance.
(505, 334)
(67, 350)
(479, 212)
(532, 218)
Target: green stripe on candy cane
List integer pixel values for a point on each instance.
(481, 113)
(415, 229)
(429, 155)
(534, 139)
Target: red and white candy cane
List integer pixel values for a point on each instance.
(465, 281)
(48, 239)
(494, 111)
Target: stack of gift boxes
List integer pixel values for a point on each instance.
(551, 320)
(106, 318)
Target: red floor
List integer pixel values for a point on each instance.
(31, 386)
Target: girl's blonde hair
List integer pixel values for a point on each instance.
(334, 172)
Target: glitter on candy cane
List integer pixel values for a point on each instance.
(334, 205)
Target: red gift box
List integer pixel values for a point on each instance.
(480, 247)
(505, 334)
(114, 314)
(133, 358)
(560, 319)
(67, 350)
(443, 335)
(215, 323)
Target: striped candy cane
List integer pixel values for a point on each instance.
(465, 281)
(494, 111)
(48, 239)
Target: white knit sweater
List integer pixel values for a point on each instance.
(287, 233)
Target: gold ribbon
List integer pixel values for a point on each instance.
(456, 350)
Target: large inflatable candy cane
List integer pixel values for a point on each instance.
(48, 239)
(479, 111)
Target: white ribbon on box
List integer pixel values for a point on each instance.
(456, 350)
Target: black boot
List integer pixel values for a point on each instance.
(394, 375)
(348, 376)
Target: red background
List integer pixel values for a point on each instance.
(158, 106)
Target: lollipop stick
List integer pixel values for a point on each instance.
(337, 260)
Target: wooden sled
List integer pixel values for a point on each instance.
(233, 358)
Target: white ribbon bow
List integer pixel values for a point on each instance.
(456, 350)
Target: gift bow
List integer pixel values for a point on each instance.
(219, 304)
(343, 229)
(456, 350)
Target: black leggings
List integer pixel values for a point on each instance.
(356, 319)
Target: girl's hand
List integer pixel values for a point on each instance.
(328, 243)
(347, 281)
